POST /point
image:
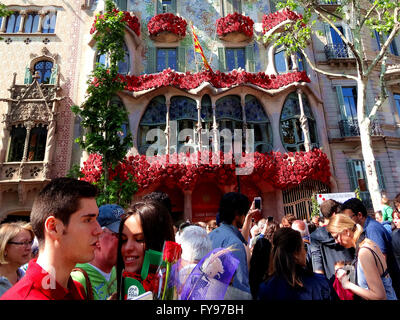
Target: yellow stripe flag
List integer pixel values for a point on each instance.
(199, 49)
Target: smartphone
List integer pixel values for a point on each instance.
(257, 203)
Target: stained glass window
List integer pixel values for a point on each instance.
(44, 68)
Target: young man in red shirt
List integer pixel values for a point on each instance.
(64, 220)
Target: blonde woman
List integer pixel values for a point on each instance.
(16, 240)
(373, 280)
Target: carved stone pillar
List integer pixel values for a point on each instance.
(304, 122)
(215, 141)
(28, 125)
(42, 15)
(3, 25)
(23, 14)
(167, 131)
(199, 127)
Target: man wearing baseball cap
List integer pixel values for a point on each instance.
(99, 276)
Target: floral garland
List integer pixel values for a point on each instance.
(131, 21)
(235, 22)
(218, 79)
(184, 170)
(273, 19)
(167, 22)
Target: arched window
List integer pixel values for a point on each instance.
(17, 142)
(257, 120)
(44, 68)
(183, 110)
(292, 134)
(37, 143)
(153, 118)
(124, 66)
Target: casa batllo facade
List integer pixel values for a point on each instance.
(45, 70)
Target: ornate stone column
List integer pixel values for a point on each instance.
(304, 122)
(42, 15)
(3, 25)
(167, 131)
(28, 125)
(23, 14)
(215, 129)
(199, 127)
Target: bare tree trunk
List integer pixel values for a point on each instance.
(364, 123)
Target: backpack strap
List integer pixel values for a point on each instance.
(89, 289)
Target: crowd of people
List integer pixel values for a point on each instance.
(73, 249)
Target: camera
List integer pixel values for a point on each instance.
(257, 203)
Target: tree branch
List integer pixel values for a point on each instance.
(344, 39)
(368, 14)
(329, 74)
(385, 46)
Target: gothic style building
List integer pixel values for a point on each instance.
(48, 53)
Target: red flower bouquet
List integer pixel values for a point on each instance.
(167, 22)
(235, 22)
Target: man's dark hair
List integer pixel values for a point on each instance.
(396, 200)
(59, 198)
(161, 197)
(355, 205)
(329, 207)
(232, 204)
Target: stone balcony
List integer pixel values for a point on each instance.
(23, 171)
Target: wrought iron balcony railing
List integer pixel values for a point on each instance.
(336, 51)
(350, 128)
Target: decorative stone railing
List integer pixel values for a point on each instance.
(16, 171)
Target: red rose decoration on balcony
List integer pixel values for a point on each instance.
(131, 21)
(187, 81)
(235, 27)
(167, 27)
(271, 20)
(183, 170)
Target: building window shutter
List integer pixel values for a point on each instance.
(250, 62)
(151, 60)
(28, 76)
(351, 172)
(342, 107)
(181, 59)
(328, 35)
(379, 173)
(221, 59)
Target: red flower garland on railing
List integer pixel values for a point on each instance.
(167, 22)
(235, 22)
(273, 19)
(218, 79)
(281, 170)
(131, 21)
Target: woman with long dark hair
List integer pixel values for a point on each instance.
(145, 225)
(288, 277)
